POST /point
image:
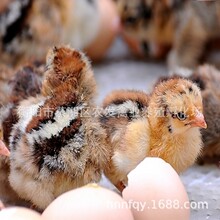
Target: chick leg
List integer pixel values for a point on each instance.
(117, 178)
(120, 186)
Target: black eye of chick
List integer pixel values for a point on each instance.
(181, 116)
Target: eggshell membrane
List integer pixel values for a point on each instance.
(157, 185)
(17, 213)
(90, 202)
(109, 27)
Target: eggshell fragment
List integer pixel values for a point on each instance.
(156, 192)
(90, 202)
(17, 213)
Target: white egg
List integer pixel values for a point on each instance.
(155, 191)
(17, 213)
(89, 202)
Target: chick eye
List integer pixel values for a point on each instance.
(181, 116)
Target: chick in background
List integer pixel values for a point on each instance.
(207, 78)
(29, 28)
(187, 31)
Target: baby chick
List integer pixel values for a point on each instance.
(15, 87)
(208, 79)
(28, 28)
(57, 144)
(185, 26)
(165, 124)
(19, 86)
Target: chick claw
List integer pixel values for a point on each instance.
(120, 186)
(4, 150)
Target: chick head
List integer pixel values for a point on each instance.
(180, 101)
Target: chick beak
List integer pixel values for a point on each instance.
(199, 120)
(4, 150)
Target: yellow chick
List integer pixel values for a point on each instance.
(165, 124)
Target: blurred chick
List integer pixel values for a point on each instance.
(28, 28)
(208, 79)
(165, 124)
(57, 144)
(15, 87)
(23, 83)
(185, 26)
(6, 74)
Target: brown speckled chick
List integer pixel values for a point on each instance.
(28, 28)
(186, 26)
(165, 124)
(15, 86)
(208, 79)
(57, 144)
